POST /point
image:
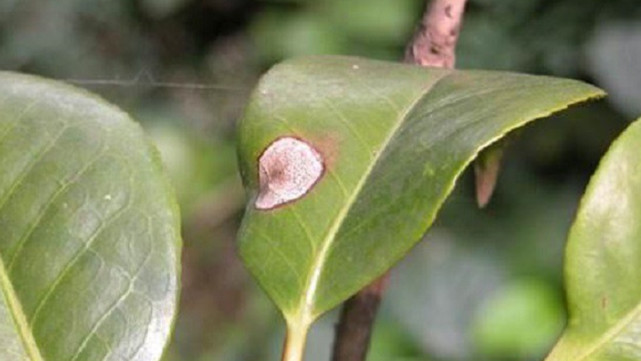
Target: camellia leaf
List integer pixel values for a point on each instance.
(89, 230)
(603, 261)
(347, 161)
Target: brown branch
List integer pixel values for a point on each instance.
(433, 44)
(354, 330)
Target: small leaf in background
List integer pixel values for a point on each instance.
(603, 261)
(394, 138)
(378, 21)
(90, 242)
(520, 320)
(278, 36)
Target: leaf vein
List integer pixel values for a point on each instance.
(36, 223)
(15, 308)
(306, 309)
(612, 333)
(27, 169)
(306, 230)
(85, 248)
(349, 126)
(388, 100)
(114, 306)
(278, 252)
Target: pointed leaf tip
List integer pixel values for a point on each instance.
(486, 172)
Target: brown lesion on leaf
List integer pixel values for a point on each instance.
(288, 169)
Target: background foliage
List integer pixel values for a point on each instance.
(184, 68)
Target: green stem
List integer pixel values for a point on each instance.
(294, 348)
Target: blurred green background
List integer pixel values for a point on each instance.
(485, 285)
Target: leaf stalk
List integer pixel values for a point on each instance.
(294, 346)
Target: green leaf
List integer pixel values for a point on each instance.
(89, 247)
(519, 321)
(393, 139)
(603, 261)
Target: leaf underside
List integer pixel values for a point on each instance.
(603, 261)
(89, 230)
(394, 139)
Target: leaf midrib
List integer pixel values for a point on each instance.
(18, 315)
(612, 332)
(305, 315)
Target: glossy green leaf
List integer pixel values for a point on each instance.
(393, 139)
(603, 261)
(89, 230)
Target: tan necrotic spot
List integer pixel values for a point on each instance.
(287, 170)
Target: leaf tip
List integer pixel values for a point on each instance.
(486, 173)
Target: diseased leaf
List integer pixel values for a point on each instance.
(393, 139)
(89, 230)
(603, 261)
